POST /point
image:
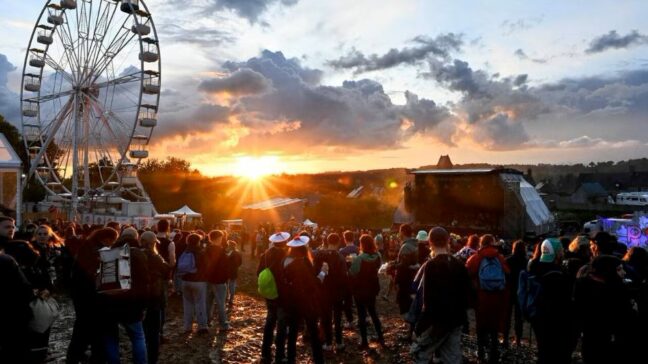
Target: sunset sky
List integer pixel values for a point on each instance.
(314, 85)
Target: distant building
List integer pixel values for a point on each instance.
(277, 211)
(490, 200)
(444, 162)
(618, 182)
(590, 192)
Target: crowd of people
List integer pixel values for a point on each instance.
(587, 294)
(37, 264)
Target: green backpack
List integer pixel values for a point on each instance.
(266, 284)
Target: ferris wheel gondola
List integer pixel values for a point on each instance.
(89, 97)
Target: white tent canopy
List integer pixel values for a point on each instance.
(186, 211)
(307, 222)
(10, 178)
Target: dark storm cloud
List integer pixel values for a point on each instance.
(495, 108)
(241, 82)
(498, 110)
(612, 40)
(625, 93)
(191, 120)
(357, 114)
(439, 47)
(500, 132)
(9, 100)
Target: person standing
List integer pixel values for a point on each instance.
(158, 273)
(167, 250)
(553, 322)
(446, 289)
(85, 299)
(15, 309)
(300, 297)
(272, 259)
(217, 276)
(488, 269)
(406, 267)
(517, 262)
(605, 313)
(333, 289)
(364, 273)
(349, 251)
(127, 309)
(192, 269)
(233, 260)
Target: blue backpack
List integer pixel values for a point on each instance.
(187, 264)
(491, 274)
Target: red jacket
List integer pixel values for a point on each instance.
(491, 307)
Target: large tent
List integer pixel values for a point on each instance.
(185, 211)
(10, 178)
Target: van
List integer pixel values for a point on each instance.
(632, 198)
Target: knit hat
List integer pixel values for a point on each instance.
(422, 235)
(549, 248)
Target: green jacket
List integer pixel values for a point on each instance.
(357, 262)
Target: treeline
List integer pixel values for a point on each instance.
(172, 183)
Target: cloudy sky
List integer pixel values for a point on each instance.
(364, 84)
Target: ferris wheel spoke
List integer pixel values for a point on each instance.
(50, 97)
(121, 80)
(111, 53)
(103, 116)
(100, 31)
(68, 46)
(58, 68)
(55, 125)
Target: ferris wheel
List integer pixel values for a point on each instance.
(89, 97)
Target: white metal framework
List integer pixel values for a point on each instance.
(89, 97)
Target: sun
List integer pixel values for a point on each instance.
(255, 168)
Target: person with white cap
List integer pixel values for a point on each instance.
(300, 297)
(272, 259)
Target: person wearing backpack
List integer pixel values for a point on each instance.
(126, 309)
(300, 297)
(270, 265)
(488, 270)
(364, 274)
(333, 288)
(552, 314)
(83, 291)
(192, 271)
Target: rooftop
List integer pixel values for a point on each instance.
(273, 203)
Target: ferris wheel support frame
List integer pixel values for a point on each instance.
(96, 60)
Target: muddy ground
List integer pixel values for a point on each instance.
(242, 344)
